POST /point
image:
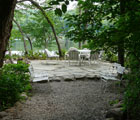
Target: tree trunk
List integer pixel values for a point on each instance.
(121, 54)
(44, 13)
(9, 47)
(48, 20)
(24, 34)
(67, 44)
(80, 45)
(25, 47)
(46, 43)
(6, 12)
(83, 43)
(121, 41)
(30, 42)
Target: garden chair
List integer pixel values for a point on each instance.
(51, 54)
(101, 54)
(94, 57)
(85, 54)
(120, 71)
(73, 55)
(37, 78)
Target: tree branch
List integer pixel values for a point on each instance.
(22, 1)
(25, 47)
(48, 20)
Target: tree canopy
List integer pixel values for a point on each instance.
(111, 25)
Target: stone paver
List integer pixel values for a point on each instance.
(61, 71)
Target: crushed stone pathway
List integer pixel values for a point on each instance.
(75, 100)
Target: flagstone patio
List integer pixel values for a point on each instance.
(56, 70)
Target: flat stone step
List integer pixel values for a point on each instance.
(61, 71)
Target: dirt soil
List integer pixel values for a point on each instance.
(75, 100)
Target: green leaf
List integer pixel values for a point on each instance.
(67, 2)
(64, 8)
(58, 12)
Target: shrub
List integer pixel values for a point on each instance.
(132, 93)
(110, 56)
(36, 55)
(14, 80)
(63, 52)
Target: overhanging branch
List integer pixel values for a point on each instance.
(48, 20)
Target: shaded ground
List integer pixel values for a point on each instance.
(75, 100)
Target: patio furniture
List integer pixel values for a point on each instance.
(101, 54)
(119, 70)
(73, 55)
(94, 57)
(51, 54)
(78, 55)
(14, 52)
(85, 55)
(37, 77)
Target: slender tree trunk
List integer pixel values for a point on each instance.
(24, 34)
(121, 54)
(80, 45)
(66, 39)
(48, 20)
(44, 13)
(46, 43)
(80, 12)
(25, 47)
(66, 44)
(9, 47)
(83, 43)
(6, 16)
(121, 42)
(30, 42)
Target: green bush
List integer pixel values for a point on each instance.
(14, 80)
(110, 56)
(114, 102)
(132, 93)
(132, 97)
(31, 55)
(14, 57)
(36, 55)
(63, 52)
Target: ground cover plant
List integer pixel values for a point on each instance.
(14, 79)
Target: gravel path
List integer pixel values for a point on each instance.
(75, 100)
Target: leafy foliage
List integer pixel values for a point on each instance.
(63, 9)
(112, 25)
(36, 55)
(103, 24)
(14, 80)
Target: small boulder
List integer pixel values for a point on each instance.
(115, 113)
(3, 114)
(119, 104)
(10, 110)
(24, 95)
(17, 104)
